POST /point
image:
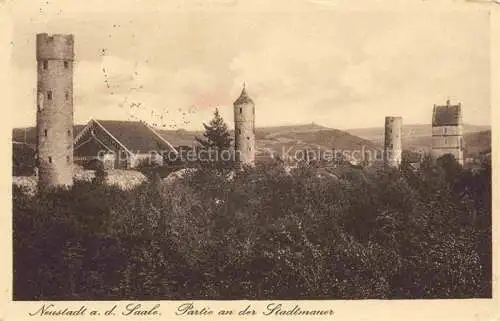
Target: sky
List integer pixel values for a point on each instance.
(338, 68)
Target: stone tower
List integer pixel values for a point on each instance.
(54, 118)
(244, 129)
(392, 143)
(447, 131)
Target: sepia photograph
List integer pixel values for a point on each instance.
(232, 154)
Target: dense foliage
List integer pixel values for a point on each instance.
(265, 234)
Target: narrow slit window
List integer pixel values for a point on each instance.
(239, 131)
(45, 64)
(45, 132)
(49, 95)
(50, 159)
(241, 110)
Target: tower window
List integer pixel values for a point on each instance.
(66, 94)
(66, 64)
(241, 110)
(248, 137)
(69, 133)
(45, 132)
(49, 95)
(50, 159)
(45, 64)
(239, 131)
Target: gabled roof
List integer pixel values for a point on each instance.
(447, 115)
(133, 136)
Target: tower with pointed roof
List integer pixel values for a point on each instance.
(244, 129)
(54, 118)
(447, 137)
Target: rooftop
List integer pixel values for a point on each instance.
(244, 98)
(447, 115)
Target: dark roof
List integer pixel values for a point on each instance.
(135, 136)
(243, 99)
(449, 115)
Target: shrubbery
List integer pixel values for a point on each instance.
(262, 235)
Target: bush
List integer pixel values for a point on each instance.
(264, 234)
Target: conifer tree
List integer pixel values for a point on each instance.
(216, 135)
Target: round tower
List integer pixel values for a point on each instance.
(54, 121)
(244, 129)
(392, 142)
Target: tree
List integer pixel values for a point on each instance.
(216, 134)
(450, 167)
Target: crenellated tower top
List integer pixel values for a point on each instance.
(57, 46)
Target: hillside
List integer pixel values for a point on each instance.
(28, 135)
(410, 131)
(419, 137)
(477, 143)
(275, 140)
(279, 140)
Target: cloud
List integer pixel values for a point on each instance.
(339, 68)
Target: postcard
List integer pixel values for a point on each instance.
(230, 159)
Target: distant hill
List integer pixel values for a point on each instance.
(419, 137)
(280, 139)
(270, 140)
(28, 134)
(410, 132)
(477, 143)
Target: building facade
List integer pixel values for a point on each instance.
(244, 129)
(392, 141)
(447, 135)
(54, 120)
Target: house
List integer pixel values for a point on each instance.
(120, 144)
